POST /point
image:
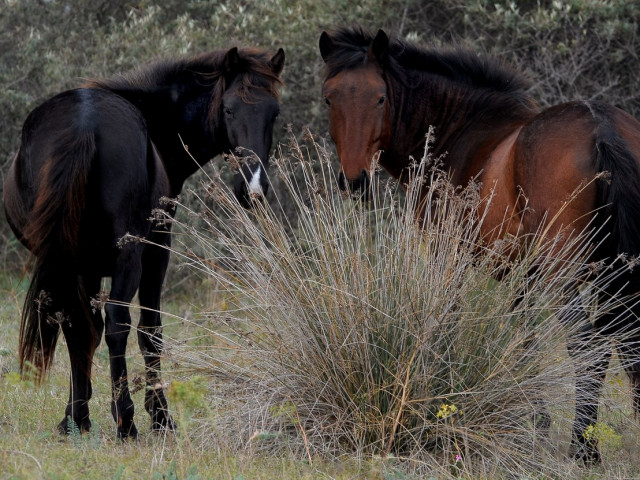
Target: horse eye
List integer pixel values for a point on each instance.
(382, 99)
(327, 101)
(228, 112)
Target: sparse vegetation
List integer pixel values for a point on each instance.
(346, 330)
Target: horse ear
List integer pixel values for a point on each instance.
(277, 62)
(326, 46)
(379, 50)
(231, 60)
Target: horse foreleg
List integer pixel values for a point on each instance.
(155, 263)
(118, 324)
(591, 356)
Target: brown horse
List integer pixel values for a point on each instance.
(383, 96)
(92, 167)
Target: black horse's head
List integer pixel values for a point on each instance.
(249, 107)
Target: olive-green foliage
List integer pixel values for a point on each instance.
(574, 49)
(577, 49)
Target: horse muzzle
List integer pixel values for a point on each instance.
(360, 187)
(250, 184)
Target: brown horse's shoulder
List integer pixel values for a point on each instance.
(499, 190)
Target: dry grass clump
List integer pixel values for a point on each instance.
(351, 330)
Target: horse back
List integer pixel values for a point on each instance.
(85, 174)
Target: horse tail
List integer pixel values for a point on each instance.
(618, 192)
(59, 202)
(56, 293)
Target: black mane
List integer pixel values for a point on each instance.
(203, 72)
(458, 65)
(161, 74)
(206, 68)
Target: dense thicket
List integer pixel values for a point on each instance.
(573, 49)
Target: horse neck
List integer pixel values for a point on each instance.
(177, 128)
(465, 121)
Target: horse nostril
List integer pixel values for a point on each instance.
(359, 186)
(342, 182)
(363, 182)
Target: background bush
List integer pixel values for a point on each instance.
(574, 49)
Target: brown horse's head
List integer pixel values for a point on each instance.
(357, 97)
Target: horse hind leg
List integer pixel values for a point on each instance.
(124, 284)
(591, 354)
(155, 261)
(57, 301)
(82, 338)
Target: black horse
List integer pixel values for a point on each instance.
(93, 164)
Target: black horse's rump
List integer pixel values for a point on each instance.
(93, 164)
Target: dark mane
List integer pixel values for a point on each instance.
(205, 70)
(457, 65)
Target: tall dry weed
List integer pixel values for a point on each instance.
(352, 329)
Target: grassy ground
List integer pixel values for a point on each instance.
(31, 448)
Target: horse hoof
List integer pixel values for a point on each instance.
(586, 453)
(69, 427)
(163, 424)
(130, 433)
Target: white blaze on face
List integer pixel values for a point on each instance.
(254, 183)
